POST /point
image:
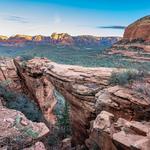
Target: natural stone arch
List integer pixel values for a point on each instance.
(77, 84)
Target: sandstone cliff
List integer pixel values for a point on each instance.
(135, 45)
(17, 132)
(138, 30)
(58, 39)
(104, 116)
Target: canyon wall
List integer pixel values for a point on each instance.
(138, 30)
(101, 114)
(77, 84)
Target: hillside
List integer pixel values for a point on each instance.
(140, 29)
(135, 45)
(58, 39)
(46, 105)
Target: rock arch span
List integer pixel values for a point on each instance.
(113, 117)
(77, 84)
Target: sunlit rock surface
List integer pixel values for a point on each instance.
(17, 132)
(102, 115)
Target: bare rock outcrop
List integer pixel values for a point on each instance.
(107, 133)
(139, 30)
(40, 89)
(122, 120)
(103, 116)
(123, 102)
(9, 76)
(89, 93)
(36, 146)
(17, 132)
(135, 45)
(77, 84)
(37, 88)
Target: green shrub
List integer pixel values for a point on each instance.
(21, 103)
(125, 77)
(26, 57)
(64, 122)
(62, 112)
(6, 82)
(23, 64)
(143, 88)
(95, 146)
(7, 95)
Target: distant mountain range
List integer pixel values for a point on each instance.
(58, 39)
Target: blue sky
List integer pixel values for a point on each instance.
(76, 17)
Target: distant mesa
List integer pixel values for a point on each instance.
(139, 30)
(3, 37)
(58, 39)
(39, 38)
(62, 38)
(135, 44)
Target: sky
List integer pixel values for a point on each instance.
(75, 17)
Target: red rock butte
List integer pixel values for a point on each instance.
(138, 30)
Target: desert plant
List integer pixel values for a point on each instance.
(64, 122)
(7, 95)
(23, 64)
(21, 103)
(125, 77)
(6, 82)
(62, 112)
(26, 57)
(25, 105)
(95, 146)
(143, 88)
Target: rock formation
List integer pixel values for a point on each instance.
(100, 113)
(103, 116)
(3, 37)
(17, 132)
(39, 89)
(135, 45)
(77, 84)
(138, 30)
(63, 39)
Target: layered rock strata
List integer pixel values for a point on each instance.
(101, 115)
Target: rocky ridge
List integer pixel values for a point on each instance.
(138, 30)
(57, 39)
(122, 110)
(103, 115)
(17, 132)
(135, 45)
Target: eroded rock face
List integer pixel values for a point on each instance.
(108, 117)
(37, 146)
(17, 132)
(139, 30)
(38, 88)
(111, 134)
(78, 85)
(63, 39)
(123, 102)
(135, 45)
(122, 120)
(9, 76)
